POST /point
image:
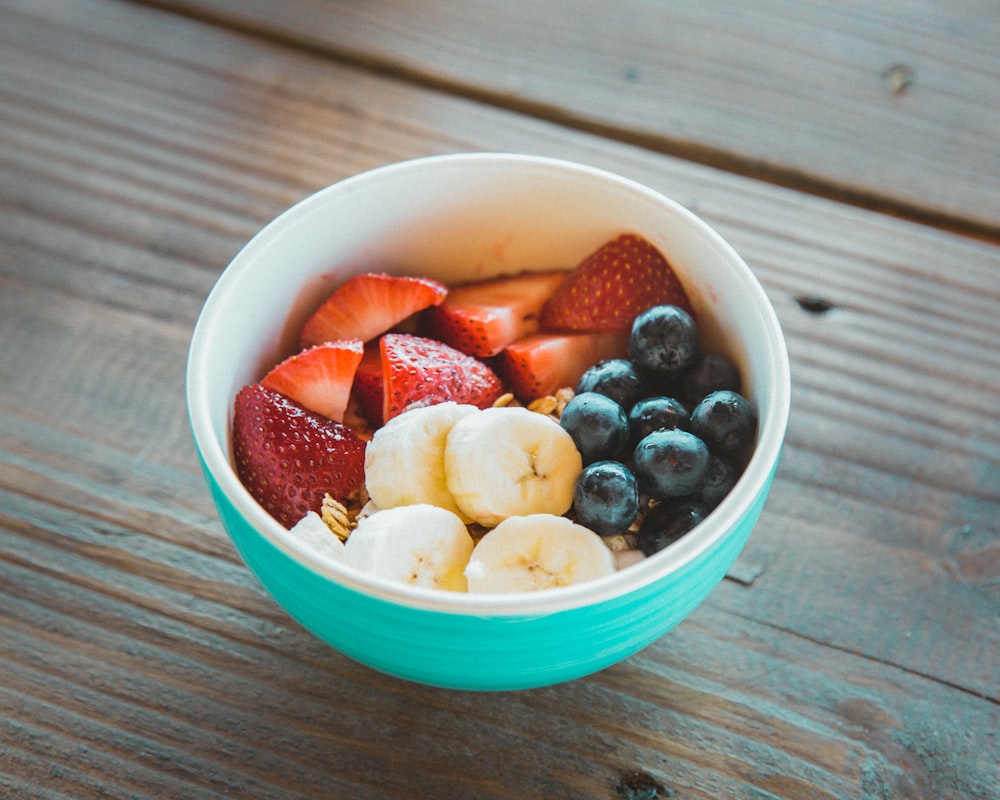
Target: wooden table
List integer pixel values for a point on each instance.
(850, 151)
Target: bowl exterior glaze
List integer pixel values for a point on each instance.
(463, 651)
(465, 217)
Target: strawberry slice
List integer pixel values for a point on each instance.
(482, 318)
(319, 378)
(367, 391)
(540, 364)
(421, 371)
(368, 305)
(288, 457)
(610, 287)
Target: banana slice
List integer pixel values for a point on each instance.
(506, 462)
(626, 558)
(311, 536)
(421, 545)
(538, 551)
(404, 461)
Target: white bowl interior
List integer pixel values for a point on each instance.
(465, 217)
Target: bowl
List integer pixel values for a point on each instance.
(462, 217)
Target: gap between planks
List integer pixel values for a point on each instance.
(714, 157)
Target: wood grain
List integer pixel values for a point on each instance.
(853, 654)
(892, 105)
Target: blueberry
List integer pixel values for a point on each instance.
(667, 522)
(726, 421)
(710, 373)
(719, 481)
(671, 463)
(598, 425)
(663, 384)
(663, 339)
(652, 413)
(606, 497)
(617, 378)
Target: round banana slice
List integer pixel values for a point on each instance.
(404, 461)
(421, 545)
(311, 536)
(538, 551)
(506, 462)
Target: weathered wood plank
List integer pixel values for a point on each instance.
(780, 714)
(138, 152)
(204, 710)
(893, 105)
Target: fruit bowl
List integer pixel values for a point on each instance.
(459, 218)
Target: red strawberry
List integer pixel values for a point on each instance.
(319, 378)
(538, 365)
(611, 286)
(420, 371)
(482, 318)
(288, 457)
(368, 305)
(367, 390)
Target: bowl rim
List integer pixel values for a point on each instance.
(721, 520)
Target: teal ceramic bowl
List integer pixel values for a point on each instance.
(462, 217)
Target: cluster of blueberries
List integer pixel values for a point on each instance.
(667, 426)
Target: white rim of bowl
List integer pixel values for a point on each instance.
(771, 432)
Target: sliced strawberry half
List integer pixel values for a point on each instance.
(368, 305)
(288, 457)
(610, 287)
(540, 364)
(368, 392)
(482, 318)
(421, 371)
(319, 378)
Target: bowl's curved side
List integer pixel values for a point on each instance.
(470, 652)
